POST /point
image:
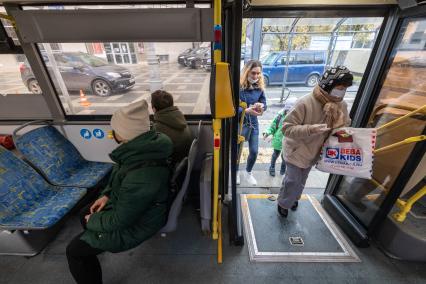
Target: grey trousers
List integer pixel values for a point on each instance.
(292, 185)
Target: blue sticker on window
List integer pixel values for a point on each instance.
(85, 133)
(98, 133)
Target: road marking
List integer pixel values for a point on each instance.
(181, 88)
(22, 90)
(203, 98)
(86, 111)
(114, 98)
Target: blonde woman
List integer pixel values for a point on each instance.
(252, 92)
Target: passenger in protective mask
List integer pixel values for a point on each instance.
(306, 128)
(133, 206)
(252, 88)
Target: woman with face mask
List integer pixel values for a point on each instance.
(252, 93)
(305, 129)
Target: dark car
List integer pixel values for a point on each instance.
(207, 64)
(195, 60)
(183, 55)
(82, 71)
(305, 67)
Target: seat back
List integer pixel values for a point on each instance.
(197, 136)
(176, 207)
(50, 152)
(179, 175)
(20, 185)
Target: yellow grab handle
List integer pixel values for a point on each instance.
(410, 140)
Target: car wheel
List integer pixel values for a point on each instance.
(34, 87)
(312, 80)
(266, 80)
(101, 88)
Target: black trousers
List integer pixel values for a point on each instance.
(82, 261)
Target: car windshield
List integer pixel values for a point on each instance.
(93, 61)
(269, 59)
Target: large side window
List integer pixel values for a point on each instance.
(15, 74)
(111, 75)
(97, 78)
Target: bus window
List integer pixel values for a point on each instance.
(100, 77)
(13, 67)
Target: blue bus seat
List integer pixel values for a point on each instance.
(56, 158)
(27, 201)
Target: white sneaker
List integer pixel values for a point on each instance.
(250, 178)
(238, 177)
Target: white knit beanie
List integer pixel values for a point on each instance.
(132, 120)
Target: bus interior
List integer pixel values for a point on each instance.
(67, 66)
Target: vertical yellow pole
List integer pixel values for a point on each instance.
(219, 241)
(217, 124)
(216, 151)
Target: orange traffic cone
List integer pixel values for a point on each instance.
(83, 100)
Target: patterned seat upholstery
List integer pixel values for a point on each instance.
(48, 150)
(27, 201)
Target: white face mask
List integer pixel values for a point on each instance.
(253, 81)
(338, 93)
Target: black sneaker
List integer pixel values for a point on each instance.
(282, 171)
(283, 212)
(272, 172)
(294, 207)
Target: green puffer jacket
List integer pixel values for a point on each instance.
(171, 122)
(137, 204)
(275, 130)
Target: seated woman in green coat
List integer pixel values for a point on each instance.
(133, 206)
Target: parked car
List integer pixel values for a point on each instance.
(183, 55)
(195, 61)
(82, 71)
(305, 67)
(207, 64)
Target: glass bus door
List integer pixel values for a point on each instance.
(399, 114)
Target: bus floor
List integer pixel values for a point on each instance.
(187, 256)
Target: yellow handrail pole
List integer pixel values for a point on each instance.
(422, 109)
(241, 138)
(217, 123)
(410, 140)
(216, 151)
(406, 206)
(219, 241)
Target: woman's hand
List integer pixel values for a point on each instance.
(318, 128)
(99, 204)
(252, 111)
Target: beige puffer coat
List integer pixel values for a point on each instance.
(301, 147)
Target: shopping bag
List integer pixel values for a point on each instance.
(349, 151)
